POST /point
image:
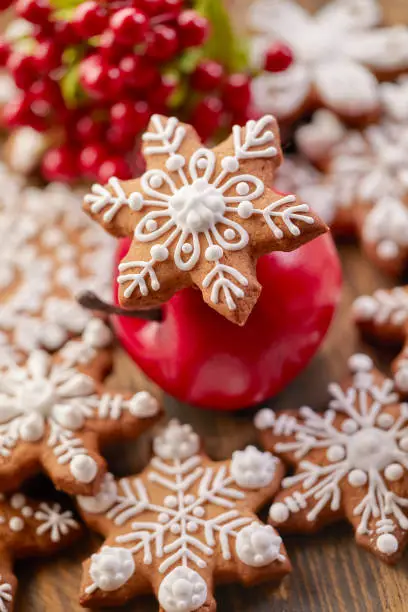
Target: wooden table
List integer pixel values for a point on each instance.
(330, 574)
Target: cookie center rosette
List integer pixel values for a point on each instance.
(209, 219)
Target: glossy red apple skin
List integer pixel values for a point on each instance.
(199, 357)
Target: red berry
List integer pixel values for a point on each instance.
(172, 7)
(129, 115)
(4, 4)
(109, 47)
(114, 166)
(47, 56)
(59, 164)
(151, 7)
(138, 71)
(4, 52)
(15, 112)
(194, 29)
(207, 76)
(87, 129)
(162, 42)
(129, 25)
(90, 19)
(159, 95)
(47, 90)
(23, 69)
(65, 33)
(120, 137)
(93, 74)
(90, 159)
(35, 11)
(207, 116)
(278, 57)
(237, 92)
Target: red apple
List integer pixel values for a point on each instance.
(201, 358)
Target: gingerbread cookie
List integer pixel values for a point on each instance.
(383, 318)
(50, 253)
(56, 413)
(338, 54)
(349, 462)
(202, 217)
(181, 524)
(371, 168)
(30, 528)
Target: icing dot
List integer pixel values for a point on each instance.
(230, 164)
(17, 501)
(192, 526)
(387, 249)
(83, 468)
(187, 248)
(156, 181)
(163, 517)
(175, 162)
(357, 478)
(170, 501)
(242, 188)
(213, 253)
(135, 201)
(279, 512)
(202, 163)
(199, 512)
(393, 472)
(229, 234)
(401, 379)
(16, 523)
(385, 420)
(151, 225)
(2, 519)
(264, 419)
(387, 544)
(245, 209)
(175, 528)
(189, 499)
(365, 307)
(349, 426)
(336, 452)
(159, 252)
(27, 511)
(360, 363)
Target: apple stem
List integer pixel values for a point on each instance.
(90, 301)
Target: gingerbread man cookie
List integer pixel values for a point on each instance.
(202, 217)
(55, 413)
(181, 524)
(349, 462)
(338, 54)
(30, 528)
(370, 171)
(50, 253)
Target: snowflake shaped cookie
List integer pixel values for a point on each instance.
(349, 462)
(338, 53)
(181, 523)
(30, 528)
(383, 317)
(55, 412)
(51, 252)
(202, 217)
(370, 171)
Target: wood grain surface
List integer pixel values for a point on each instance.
(330, 574)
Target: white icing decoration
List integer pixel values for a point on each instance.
(103, 500)
(188, 216)
(384, 307)
(6, 597)
(183, 590)
(335, 53)
(16, 523)
(200, 505)
(253, 469)
(264, 419)
(111, 568)
(258, 545)
(83, 468)
(176, 442)
(96, 334)
(144, 405)
(386, 225)
(55, 521)
(401, 375)
(374, 452)
(17, 501)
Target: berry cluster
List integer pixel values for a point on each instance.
(96, 75)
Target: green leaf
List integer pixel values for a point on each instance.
(70, 87)
(223, 45)
(65, 4)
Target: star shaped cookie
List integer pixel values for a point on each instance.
(181, 524)
(201, 217)
(349, 462)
